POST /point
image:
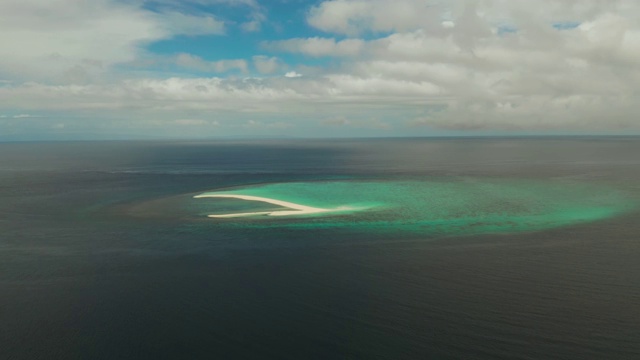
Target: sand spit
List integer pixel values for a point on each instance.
(297, 209)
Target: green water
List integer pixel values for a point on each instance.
(448, 206)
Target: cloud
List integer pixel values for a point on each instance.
(352, 17)
(191, 122)
(317, 46)
(19, 116)
(77, 41)
(24, 116)
(43, 39)
(185, 24)
(278, 125)
(251, 26)
(255, 20)
(292, 74)
(404, 64)
(249, 3)
(193, 62)
(249, 14)
(266, 64)
(368, 123)
(338, 121)
(218, 93)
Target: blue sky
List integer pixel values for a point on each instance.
(246, 28)
(103, 69)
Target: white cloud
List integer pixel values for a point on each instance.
(24, 116)
(193, 62)
(42, 39)
(317, 46)
(266, 64)
(252, 124)
(256, 124)
(251, 26)
(196, 122)
(19, 116)
(184, 24)
(368, 123)
(251, 11)
(498, 64)
(292, 74)
(77, 41)
(255, 21)
(357, 16)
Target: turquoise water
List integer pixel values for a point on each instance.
(446, 206)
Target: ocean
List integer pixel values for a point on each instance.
(417, 248)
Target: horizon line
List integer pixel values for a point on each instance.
(293, 138)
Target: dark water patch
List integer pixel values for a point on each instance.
(93, 265)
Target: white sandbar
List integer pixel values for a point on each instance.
(297, 208)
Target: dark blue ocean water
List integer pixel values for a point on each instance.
(103, 256)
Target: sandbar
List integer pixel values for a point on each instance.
(298, 209)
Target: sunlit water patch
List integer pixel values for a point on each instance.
(459, 206)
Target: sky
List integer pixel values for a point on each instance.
(116, 69)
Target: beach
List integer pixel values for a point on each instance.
(297, 208)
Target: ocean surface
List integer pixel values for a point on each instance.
(468, 248)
